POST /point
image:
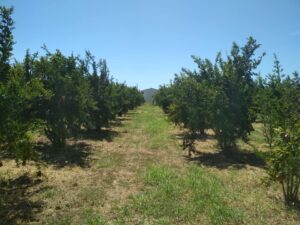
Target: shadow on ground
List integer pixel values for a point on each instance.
(105, 134)
(236, 158)
(15, 203)
(76, 154)
(119, 122)
(182, 135)
(95, 135)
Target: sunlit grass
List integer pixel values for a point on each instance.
(170, 197)
(153, 124)
(109, 160)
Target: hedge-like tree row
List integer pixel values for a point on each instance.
(228, 96)
(61, 94)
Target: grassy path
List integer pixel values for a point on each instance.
(136, 173)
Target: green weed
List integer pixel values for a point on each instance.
(185, 198)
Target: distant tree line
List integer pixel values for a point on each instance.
(60, 94)
(228, 96)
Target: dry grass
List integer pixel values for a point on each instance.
(124, 176)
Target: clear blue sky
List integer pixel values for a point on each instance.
(146, 42)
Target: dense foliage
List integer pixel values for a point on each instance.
(278, 98)
(61, 94)
(227, 97)
(218, 96)
(16, 93)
